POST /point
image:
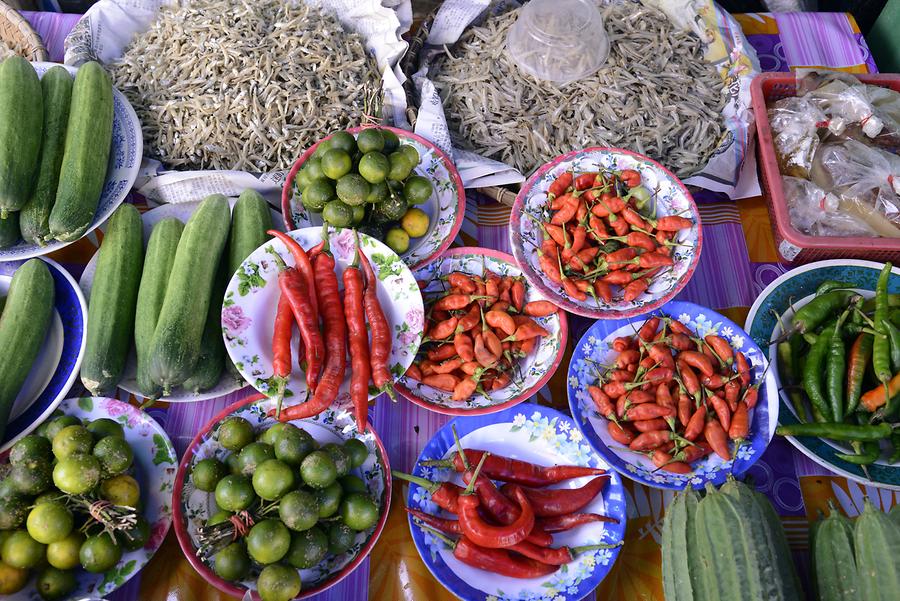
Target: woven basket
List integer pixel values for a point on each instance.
(18, 35)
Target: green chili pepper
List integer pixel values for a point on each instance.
(813, 371)
(881, 349)
(809, 316)
(837, 431)
(835, 366)
(829, 285)
(787, 371)
(893, 301)
(866, 453)
(894, 339)
(895, 441)
(860, 354)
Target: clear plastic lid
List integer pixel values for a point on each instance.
(558, 40)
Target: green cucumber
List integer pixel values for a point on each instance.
(834, 571)
(9, 230)
(23, 327)
(86, 153)
(876, 542)
(676, 569)
(208, 370)
(112, 302)
(895, 514)
(250, 220)
(56, 85)
(158, 260)
(177, 340)
(21, 122)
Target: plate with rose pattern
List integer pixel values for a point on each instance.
(532, 372)
(155, 464)
(248, 313)
(669, 197)
(595, 350)
(445, 209)
(542, 436)
(194, 507)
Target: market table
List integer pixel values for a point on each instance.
(738, 261)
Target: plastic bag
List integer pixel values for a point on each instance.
(818, 213)
(795, 122)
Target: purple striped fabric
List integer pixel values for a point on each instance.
(816, 39)
(53, 29)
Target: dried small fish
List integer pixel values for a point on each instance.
(656, 94)
(226, 84)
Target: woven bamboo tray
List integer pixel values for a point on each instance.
(17, 34)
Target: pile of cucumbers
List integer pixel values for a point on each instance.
(55, 139)
(165, 301)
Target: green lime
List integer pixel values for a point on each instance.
(338, 214)
(359, 511)
(58, 424)
(233, 461)
(19, 550)
(71, 440)
(415, 223)
(299, 510)
(77, 474)
(235, 433)
(8, 488)
(318, 193)
(313, 168)
(318, 469)
(207, 473)
(268, 541)
(114, 453)
(397, 240)
(374, 167)
(352, 189)
(351, 484)
(99, 553)
(329, 499)
(411, 154)
(417, 189)
(272, 479)
(308, 548)
(234, 493)
(136, 537)
(357, 451)
(30, 479)
(53, 584)
(63, 554)
(31, 450)
(292, 445)
(219, 517)
(13, 511)
(50, 522)
(232, 562)
(378, 193)
(278, 582)
(121, 490)
(51, 494)
(103, 427)
(344, 140)
(391, 141)
(252, 455)
(359, 213)
(370, 140)
(392, 208)
(270, 434)
(336, 163)
(340, 456)
(340, 538)
(323, 147)
(400, 166)
(302, 179)
(12, 580)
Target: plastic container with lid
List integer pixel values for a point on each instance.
(559, 40)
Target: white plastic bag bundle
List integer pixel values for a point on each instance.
(818, 213)
(795, 122)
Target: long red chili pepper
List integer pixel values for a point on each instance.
(281, 347)
(495, 537)
(381, 332)
(560, 501)
(303, 264)
(361, 370)
(497, 467)
(444, 494)
(501, 509)
(561, 523)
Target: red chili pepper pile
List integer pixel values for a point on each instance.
(599, 237)
(675, 396)
(508, 530)
(476, 329)
(310, 291)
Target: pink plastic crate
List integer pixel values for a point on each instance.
(794, 246)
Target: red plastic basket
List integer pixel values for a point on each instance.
(793, 245)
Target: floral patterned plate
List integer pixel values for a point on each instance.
(56, 367)
(193, 507)
(534, 370)
(124, 162)
(155, 464)
(445, 208)
(543, 436)
(671, 198)
(595, 348)
(248, 314)
(227, 383)
(783, 296)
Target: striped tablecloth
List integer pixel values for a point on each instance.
(738, 261)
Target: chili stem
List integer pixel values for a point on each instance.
(426, 484)
(470, 488)
(435, 533)
(583, 548)
(459, 449)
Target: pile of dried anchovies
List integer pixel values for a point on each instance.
(225, 84)
(655, 95)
